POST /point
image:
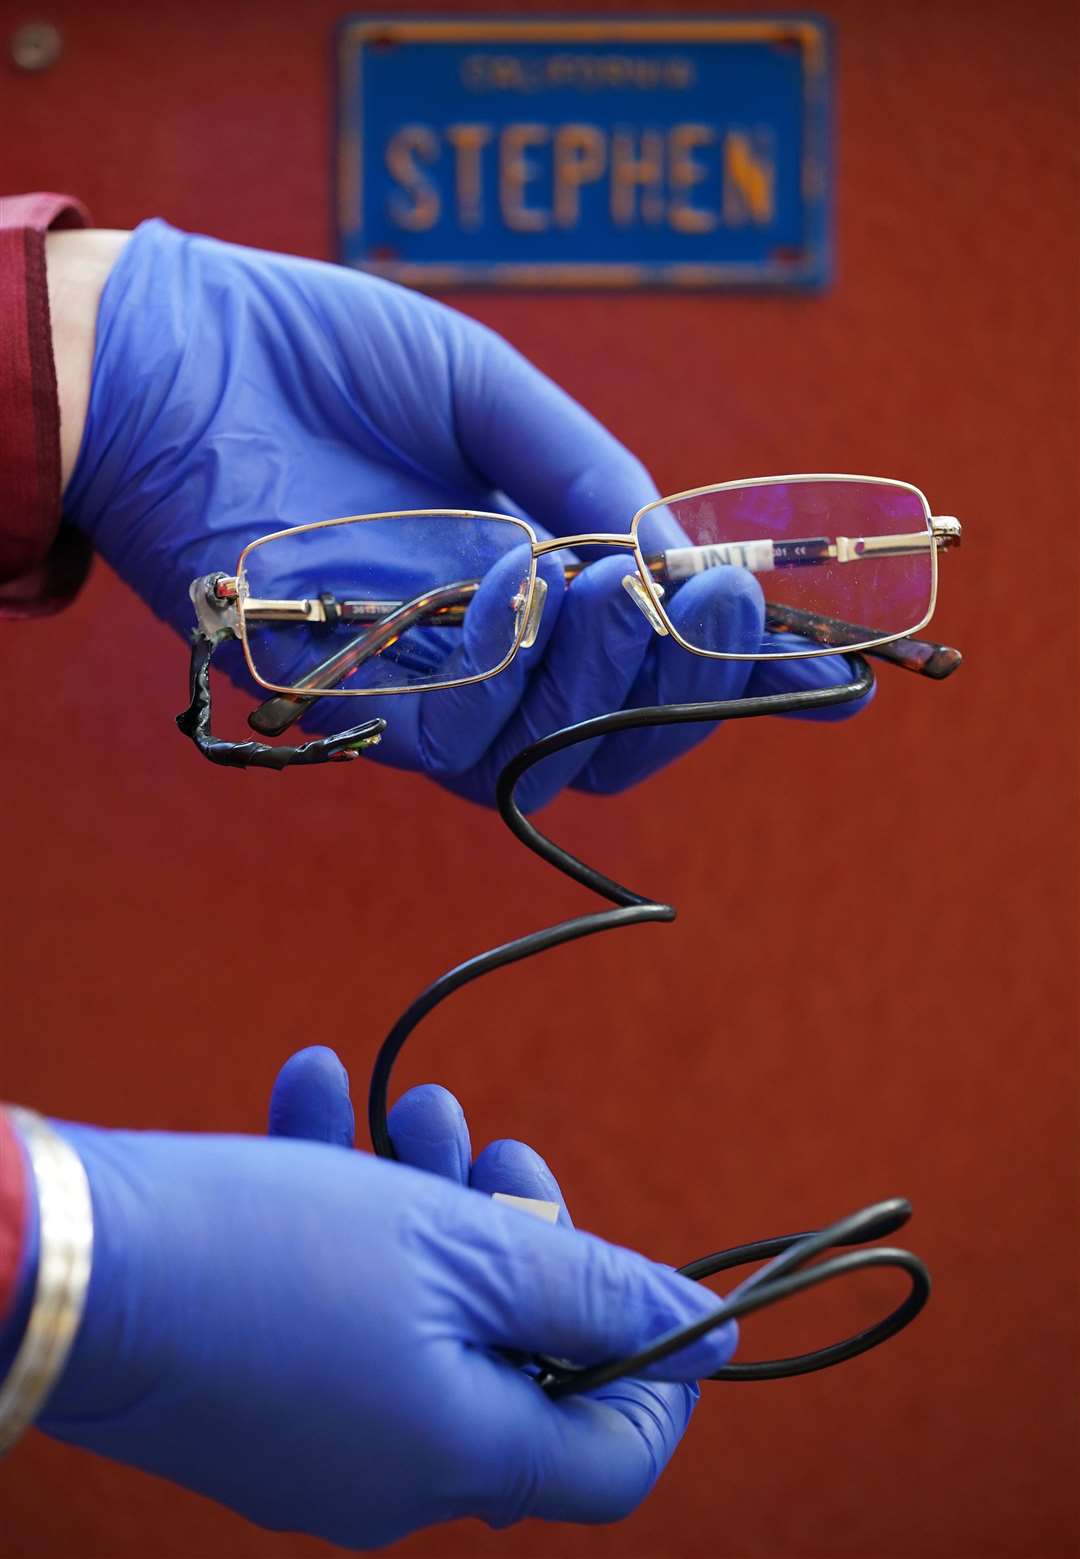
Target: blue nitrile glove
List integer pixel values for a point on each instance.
(429, 1131)
(315, 1337)
(311, 1100)
(235, 392)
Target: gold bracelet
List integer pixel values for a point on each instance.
(66, 1239)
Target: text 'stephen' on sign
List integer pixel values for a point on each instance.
(575, 153)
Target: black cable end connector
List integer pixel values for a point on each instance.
(194, 722)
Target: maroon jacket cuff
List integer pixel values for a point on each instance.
(12, 1212)
(39, 571)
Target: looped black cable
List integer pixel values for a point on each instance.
(787, 1274)
(778, 1280)
(195, 723)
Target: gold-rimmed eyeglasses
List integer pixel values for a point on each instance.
(416, 600)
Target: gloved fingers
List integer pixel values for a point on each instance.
(458, 725)
(446, 730)
(720, 609)
(640, 1425)
(529, 1286)
(584, 1459)
(310, 1099)
(516, 1170)
(673, 675)
(592, 661)
(527, 436)
(429, 1131)
(816, 671)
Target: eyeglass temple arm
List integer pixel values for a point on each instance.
(922, 656)
(763, 556)
(446, 608)
(675, 563)
(284, 709)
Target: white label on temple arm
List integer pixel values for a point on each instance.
(757, 556)
(547, 1212)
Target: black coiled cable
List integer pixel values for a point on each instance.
(786, 1271)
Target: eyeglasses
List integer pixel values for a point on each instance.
(422, 599)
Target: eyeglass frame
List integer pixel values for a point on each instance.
(223, 604)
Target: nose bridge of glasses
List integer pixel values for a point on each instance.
(631, 583)
(590, 539)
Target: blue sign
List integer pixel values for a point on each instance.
(574, 153)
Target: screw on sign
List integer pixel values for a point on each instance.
(36, 46)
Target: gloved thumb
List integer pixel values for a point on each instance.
(548, 1289)
(310, 1099)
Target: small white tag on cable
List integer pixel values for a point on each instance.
(757, 556)
(547, 1212)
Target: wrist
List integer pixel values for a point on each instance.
(61, 1275)
(19, 1216)
(78, 264)
(43, 563)
(101, 1376)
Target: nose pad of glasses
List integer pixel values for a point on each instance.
(536, 611)
(641, 598)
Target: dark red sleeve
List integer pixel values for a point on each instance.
(12, 1213)
(42, 563)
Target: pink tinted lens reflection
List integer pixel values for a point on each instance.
(885, 595)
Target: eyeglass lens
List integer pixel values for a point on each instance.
(837, 562)
(381, 604)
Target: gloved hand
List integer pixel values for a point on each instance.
(236, 392)
(429, 1131)
(313, 1337)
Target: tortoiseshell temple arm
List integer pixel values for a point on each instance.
(446, 607)
(387, 621)
(919, 655)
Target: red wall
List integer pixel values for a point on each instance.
(895, 1011)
